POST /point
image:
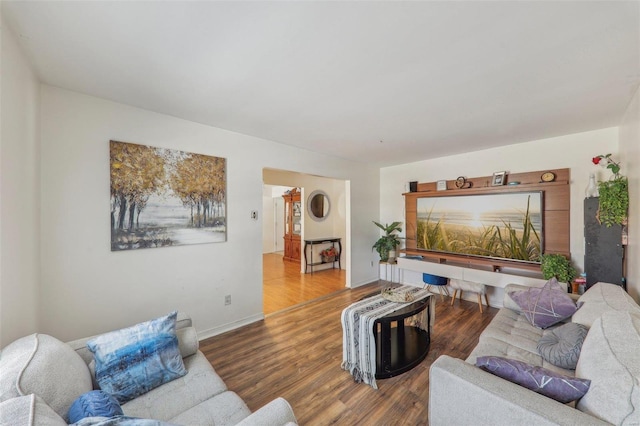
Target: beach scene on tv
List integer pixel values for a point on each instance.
(505, 226)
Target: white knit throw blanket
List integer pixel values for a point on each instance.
(358, 343)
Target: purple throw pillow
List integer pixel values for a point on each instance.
(545, 382)
(544, 306)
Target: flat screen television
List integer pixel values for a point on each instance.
(501, 226)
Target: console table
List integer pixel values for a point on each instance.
(308, 262)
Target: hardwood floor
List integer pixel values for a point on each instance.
(297, 354)
(284, 286)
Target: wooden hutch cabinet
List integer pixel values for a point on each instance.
(292, 225)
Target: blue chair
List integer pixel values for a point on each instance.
(436, 281)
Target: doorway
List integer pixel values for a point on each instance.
(284, 282)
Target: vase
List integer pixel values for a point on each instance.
(592, 188)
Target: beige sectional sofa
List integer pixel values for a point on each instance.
(462, 394)
(41, 377)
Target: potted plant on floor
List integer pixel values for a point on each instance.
(389, 242)
(556, 265)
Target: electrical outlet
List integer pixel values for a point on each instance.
(227, 299)
(254, 214)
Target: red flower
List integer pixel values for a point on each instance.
(596, 160)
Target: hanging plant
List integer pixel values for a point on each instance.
(614, 193)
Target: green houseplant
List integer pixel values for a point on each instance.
(389, 241)
(556, 265)
(614, 193)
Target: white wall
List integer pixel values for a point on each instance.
(19, 193)
(273, 210)
(86, 288)
(630, 156)
(571, 151)
(268, 220)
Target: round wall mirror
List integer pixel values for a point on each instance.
(318, 205)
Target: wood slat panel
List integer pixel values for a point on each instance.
(556, 207)
(556, 232)
(297, 354)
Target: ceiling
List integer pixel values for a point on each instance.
(377, 82)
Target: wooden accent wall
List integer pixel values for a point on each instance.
(556, 205)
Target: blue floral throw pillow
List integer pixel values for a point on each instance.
(545, 382)
(134, 360)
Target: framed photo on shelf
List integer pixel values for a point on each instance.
(499, 178)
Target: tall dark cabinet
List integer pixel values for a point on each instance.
(604, 252)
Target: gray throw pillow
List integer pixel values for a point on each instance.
(545, 306)
(561, 347)
(545, 382)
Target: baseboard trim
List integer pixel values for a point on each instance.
(205, 334)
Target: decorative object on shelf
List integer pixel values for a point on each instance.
(592, 188)
(461, 182)
(513, 183)
(558, 266)
(328, 255)
(389, 241)
(499, 178)
(389, 294)
(548, 177)
(614, 193)
(441, 185)
(607, 162)
(413, 186)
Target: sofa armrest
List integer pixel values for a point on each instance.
(277, 412)
(463, 394)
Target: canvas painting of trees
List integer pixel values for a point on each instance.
(162, 197)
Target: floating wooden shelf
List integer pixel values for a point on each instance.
(556, 215)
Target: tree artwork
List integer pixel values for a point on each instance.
(162, 197)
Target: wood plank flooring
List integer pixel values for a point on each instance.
(297, 354)
(284, 286)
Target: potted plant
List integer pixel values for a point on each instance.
(389, 242)
(556, 265)
(614, 193)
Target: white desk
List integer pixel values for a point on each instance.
(495, 279)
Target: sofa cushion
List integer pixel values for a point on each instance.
(545, 382)
(601, 298)
(610, 359)
(28, 410)
(223, 409)
(562, 345)
(94, 404)
(45, 366)
(513, 328)
(545, 306)
(171, 399)
(134, 360)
